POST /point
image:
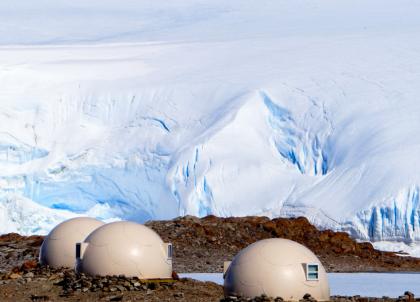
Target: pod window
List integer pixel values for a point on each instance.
(312, 272)
(78, 250)
(170, 250)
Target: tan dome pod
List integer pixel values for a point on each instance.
(59, 247)
(125, 248)
(276, 268)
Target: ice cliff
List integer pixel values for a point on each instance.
(153, 110)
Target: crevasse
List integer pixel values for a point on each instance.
(300, 147)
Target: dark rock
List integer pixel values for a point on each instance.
(308, 297)
(40, 298)
(116, 298)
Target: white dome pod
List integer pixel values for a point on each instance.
(59, 247)
(277, 268)
(125, 248)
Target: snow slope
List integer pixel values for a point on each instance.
(149, 110)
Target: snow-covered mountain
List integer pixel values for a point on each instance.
(153, 109)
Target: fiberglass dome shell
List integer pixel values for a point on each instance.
(276, 268)
(59, 247)
(125, 248)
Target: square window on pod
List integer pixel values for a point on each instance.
(312, 272)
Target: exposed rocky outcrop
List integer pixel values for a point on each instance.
(202, 245)
(15, 250)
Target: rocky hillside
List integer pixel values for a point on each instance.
(202, 245)
(15, 250)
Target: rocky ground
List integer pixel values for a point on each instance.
(200, 245)
(42, 284)
(31, 282)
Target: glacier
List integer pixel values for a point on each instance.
(151, 110)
